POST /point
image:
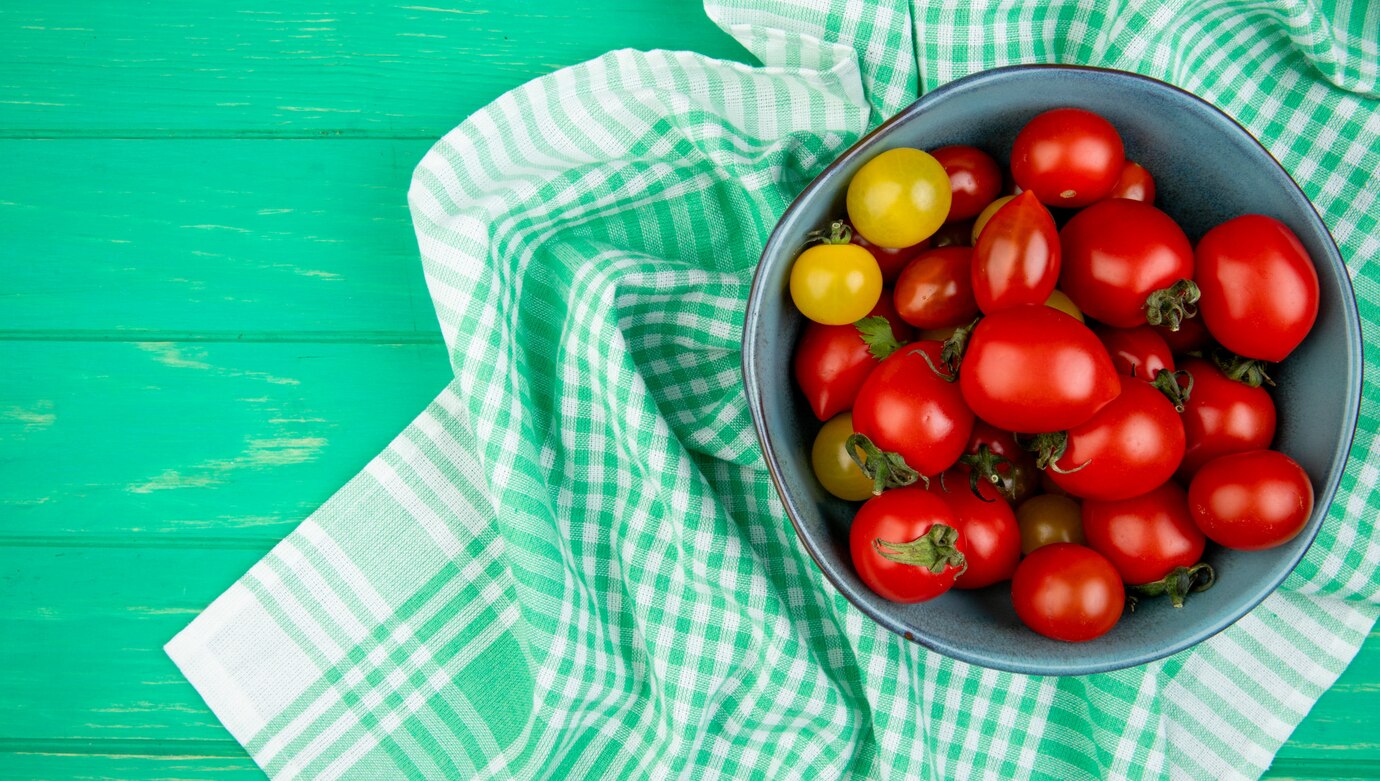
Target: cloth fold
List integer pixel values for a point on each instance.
(572, 563)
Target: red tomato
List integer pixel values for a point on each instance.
(987, 526)
(936, 289)
(1068, 157)
(832, 361)
(1192, 336)
(1129, 447)
(1222, 416)
(1259, 287)
(1251, 501)
(905, 407)
(1067, 592)
(953, 234)
(1033, 368)
(900, 538)
(1145, 537)
(890, 260)
(994, 457)
(974, 178)
(1137, 352)
(1135, 183)
(1016, 258)
(1116, 254)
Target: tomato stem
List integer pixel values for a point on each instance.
(1250, 371)
(935, 550)
(839, 232)
(1179, 583)
(951, 353)
(1176, 386)
(876, 333)
(1172, 305)
(1048, 449)
(983, 465)
(884, 468)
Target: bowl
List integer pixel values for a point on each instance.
(1207, 169)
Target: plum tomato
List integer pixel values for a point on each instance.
(1135, 183)
(1068, 157)
(986, 215)
(899, 198)
(992, 540)
(1251, 501)
(1145, 537)
(1047, 519)
(831, 361)
(974, 178)
(905, 545)
(1137, 352)
(1222, 416)
(1122, 262)
(1016, 259)
(936, 289)
(1068, 592)
(835, 469)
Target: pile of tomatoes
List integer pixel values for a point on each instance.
(1076, 409)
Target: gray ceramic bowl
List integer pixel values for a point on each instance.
(1207, 169)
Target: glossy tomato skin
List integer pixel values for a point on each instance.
(1221, 417)
(1251, 501)
(1116, 253)
(974, 178)
(1135, 183)
(898, 198)
(1047, 519)
(1147, 536)
(936, 289)
(835, 284)
(834, 467)
(1138, 352)
(1068, 157)
(1192, 336)
(1129, 447)
(987, 526)
(890, 260)
(1034, 369)
(1259, 287)
(1068, 592)
(1017, 256)
(832, 361)
(901, 515)
(904, 407)
(1020, 478)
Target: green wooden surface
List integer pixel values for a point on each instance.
(212, 315)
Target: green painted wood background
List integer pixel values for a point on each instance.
(212, 315)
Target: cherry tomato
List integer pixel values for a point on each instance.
(994, 457)
(1016, 259)
(899, 198)
(936, 289)
(1116, 254)
(1251, 501)
(953, 234)
(1061, 301)
(905, 407)
(1137, 352)
(1192, 336)
(1222, 416)
(890, 260)
(986, 215)
(1259, 287)
(1047, 519)
(1068, 157)
(1145, 537)
(991, 538)
(1130, 446)
(834, 467)
(1068, 592)
(974, 178)
(898, 541)
(1032, 368)
(1135, 183)
(831, 361)
(835, 283)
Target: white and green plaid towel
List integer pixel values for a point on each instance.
(572, 564)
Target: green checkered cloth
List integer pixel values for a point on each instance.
(572, 564)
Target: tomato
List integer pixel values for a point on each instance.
(1119, 252)
(1129, 447)
(1068, 157)
(1147, 536)
(904, 407)
(1251, 501)
(1047, 519)
(1134, 183)
(1067, 592)
(905, 545)
(936, 289)
(1191, 337)
(1061, 301)
(953, 234)
(890, 260)
(831, 361)
(1032, 368)
(899, 198)
(1259, 287)
(974, 179)
(993, 457)
(1137, 352)
(834, 467)
(1222, 416)
(1016, 259)
(985, 523)
(834, 282)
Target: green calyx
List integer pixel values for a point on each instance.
(936, 550)
(1251, 371)
(1048, 449)
(1170, 306)
(983, 465)
(1169, 383)
(1177, 585)
(839, 232)
(885, 469)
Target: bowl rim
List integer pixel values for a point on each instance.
(1352, 326)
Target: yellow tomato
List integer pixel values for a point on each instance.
(836, 471)
(1060, 300)
(1049, 518)
(987, 215)
(899, 198)
(836, 284)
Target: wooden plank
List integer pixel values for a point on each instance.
(1345, 722)
(193, 444)
(101, 761)
(300, 67)
(271, 238)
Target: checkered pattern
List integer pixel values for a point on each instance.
(572, 564)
